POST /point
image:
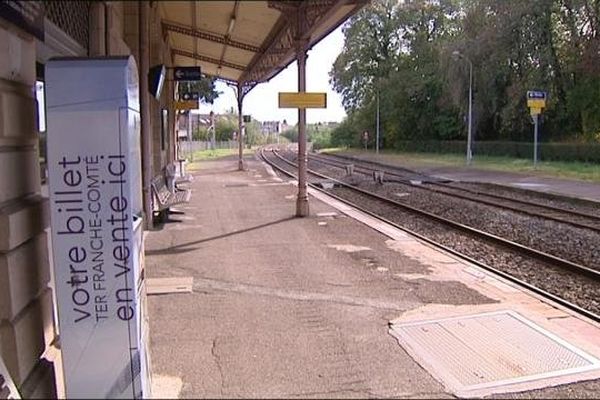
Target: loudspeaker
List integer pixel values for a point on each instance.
(156, 79)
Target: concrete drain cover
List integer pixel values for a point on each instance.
(495, 352)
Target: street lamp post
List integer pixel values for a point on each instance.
(457, 54)
(377, 128)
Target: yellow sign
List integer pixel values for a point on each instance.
(536, 103)
(302, 100)
(186, 105)
(535, 110)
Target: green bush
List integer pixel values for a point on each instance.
(291, 134)
(200, 133)
(321, 140)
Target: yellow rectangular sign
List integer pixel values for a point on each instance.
(302, 100)
(536, 103)
(535, 111)
(186, 105)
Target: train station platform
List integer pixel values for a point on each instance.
(247, 301)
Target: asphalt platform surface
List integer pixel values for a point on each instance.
(286, 307)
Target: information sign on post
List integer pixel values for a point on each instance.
(187, 73)
(186, 105)
(302, 100)
(536, 101)
(96, 224)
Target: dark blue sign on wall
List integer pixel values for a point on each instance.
(187, 73)
(535, 94)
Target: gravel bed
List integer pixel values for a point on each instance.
(547, 199)
(536, 197)
(562, 213)
(579, 245)
(483, 192)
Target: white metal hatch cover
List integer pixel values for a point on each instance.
(494, 352)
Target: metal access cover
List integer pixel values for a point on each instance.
(494, 352)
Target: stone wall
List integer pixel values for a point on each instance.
(28, 334)
(26, 316)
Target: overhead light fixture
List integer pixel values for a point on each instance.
(231, 25)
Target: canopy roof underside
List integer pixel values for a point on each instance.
(247, 42)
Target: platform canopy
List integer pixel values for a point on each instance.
(247, 42)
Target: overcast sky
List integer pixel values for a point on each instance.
(261, 102)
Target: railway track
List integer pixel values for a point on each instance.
(557, 214)
(566, 202)
(572, 242)
(568, 283)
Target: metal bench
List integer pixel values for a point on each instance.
(164, 198)
(178, 174)
(183, 179)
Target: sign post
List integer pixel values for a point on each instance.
(536, 119)
(536, 101)
(302, 100)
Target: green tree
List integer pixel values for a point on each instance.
(205, 87)
(254, 136)
(225, 125)
(403, 50)
(370, 47)
(393, 48)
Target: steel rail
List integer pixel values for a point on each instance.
(540, 255)
(557, 210)
(559, 196)
(543, 293)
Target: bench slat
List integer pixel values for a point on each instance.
(164, 197)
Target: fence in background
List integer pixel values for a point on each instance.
(584, 152)
(186, 149)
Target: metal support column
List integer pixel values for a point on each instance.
(470, 132)
(146, 132)
(536, 124)
(240, 100)
(213, 140)
(302, 209)
(190, 137)
(377, 128)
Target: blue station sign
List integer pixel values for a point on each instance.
(187, 73)
(537, 95)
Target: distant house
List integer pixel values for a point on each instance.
(197, 121)
(181, 126)
(270, 127)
